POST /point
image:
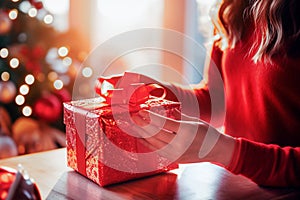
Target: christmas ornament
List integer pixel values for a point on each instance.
(48, 108)
(27, 135)
(32, 58)
(5, 23)
(38, 52)
(33, 136)
(8, 147)
(7, 91)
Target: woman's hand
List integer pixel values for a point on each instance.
(184, 139)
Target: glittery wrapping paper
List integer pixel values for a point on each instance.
(92, 131)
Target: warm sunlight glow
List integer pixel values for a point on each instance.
(57, 7)
(122, 9)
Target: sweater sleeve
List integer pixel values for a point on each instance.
(208, 94)
(266, 164)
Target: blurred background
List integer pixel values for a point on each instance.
(44, 43)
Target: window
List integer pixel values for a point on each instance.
(102, 20)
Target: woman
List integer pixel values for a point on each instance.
(258, 57)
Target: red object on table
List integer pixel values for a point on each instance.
(101, 144)
(14, 186)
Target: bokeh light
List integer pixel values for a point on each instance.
(87, 72)
(58, 84)
(5, 76)
(4, 53)
(13, 14)
(27, 111)
(63, 51)
(29, 79)
(52, 76)
(14, 63)
(32, 12)
(48, 19)
(20, 100)
(24, 89)
(67, 61)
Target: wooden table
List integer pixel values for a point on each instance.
(194, 181)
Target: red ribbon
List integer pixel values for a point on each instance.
(117, 91)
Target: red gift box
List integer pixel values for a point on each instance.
(101, 144)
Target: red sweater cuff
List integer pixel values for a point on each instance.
(236, 156)
(266, 164)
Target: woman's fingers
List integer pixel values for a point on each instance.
(152, 131)
(183, 117)
(161, 122)
(157, 142)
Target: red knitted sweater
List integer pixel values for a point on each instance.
(262, 104)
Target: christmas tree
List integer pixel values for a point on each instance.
(38, 65)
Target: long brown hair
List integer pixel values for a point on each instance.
(276, 24)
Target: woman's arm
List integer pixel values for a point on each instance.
(266, 164)
(188, 141)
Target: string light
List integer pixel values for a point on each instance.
(14, 63)
(32, 12)
(4, 53)
(63, 51)
(5, 76)
(13, 14)
(52, 76)
(48, 19)
(58, 84)
(27, 111)
(67, 61)
(20, 100)
(87, 72)
(24, 89)
(29, 79)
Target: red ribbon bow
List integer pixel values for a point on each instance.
(120, 90)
